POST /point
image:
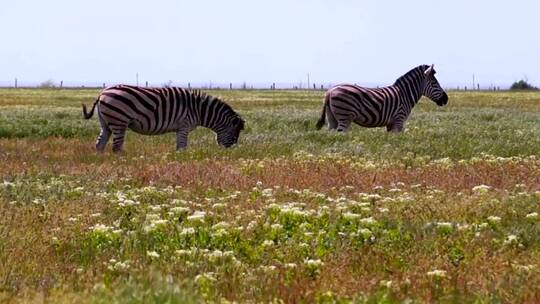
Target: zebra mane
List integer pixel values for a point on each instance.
(203, 96)
(417, 70)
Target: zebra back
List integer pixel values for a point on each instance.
(375, 107)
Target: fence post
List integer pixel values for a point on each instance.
(147, 83)
(15, 83)
(61, 84)
(189, 85)
(230, 86)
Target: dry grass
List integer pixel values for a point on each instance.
(320, 188)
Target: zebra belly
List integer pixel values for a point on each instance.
(136, 126)
(367, 124)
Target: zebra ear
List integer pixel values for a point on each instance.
(240, 123)
(429, 71)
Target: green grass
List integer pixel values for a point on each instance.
(446, 211)
(281, 123)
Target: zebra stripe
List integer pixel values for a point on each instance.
(389, 106)
(153, 111)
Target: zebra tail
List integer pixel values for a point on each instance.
(321, 121)
(85, 113)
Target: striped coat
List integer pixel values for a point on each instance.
(378, 107)
(159, 110)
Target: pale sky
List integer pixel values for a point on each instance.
(260, 42)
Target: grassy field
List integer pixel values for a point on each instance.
(447, 211)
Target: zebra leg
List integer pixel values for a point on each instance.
(104, 135)
(118, 138)
(181, 139)
(343, 125)
(332, 122)
(394, 127)
(102, 139)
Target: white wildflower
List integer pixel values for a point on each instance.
(160, 222)
(268, 269)
(386, 283)
(493, 219)
(219, 206)
(365, 233)
(179, 210)
(368, 221)
(445, 225)
(182, 252)
(268, 243)
(314, 263)
(290, 265)
(205, 278)
(152, 217)
(152, 254)
(38, 201)
(481, 189)
(155, 208)
(187, 231)
(267, 192)
(525, 268)
(532, 216)
(437, 274)
(220, 233)
(276, 226)
(101, 228)
(215, 255)
(351, 216)
(197, 216)
(511, 239)
(8, 184)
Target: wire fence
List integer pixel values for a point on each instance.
(314, 86)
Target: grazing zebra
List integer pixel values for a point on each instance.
(159, 110)
(389, 106)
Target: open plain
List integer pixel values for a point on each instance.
(447, 211)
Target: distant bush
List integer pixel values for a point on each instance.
(522, 85)
(47, 84)
(167, 84)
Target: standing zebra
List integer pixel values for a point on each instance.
(389, 106)
(159, 110)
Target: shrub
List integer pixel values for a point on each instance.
(47, 84)
(522, 85)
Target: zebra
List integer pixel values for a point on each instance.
(378, 107)
(153, 111)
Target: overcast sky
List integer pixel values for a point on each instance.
(366, 42)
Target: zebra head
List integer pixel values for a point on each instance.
(432, 88)
(228, 136)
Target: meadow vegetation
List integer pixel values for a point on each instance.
(447, 211)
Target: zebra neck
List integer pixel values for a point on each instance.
(213, 115)
(411, 91)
